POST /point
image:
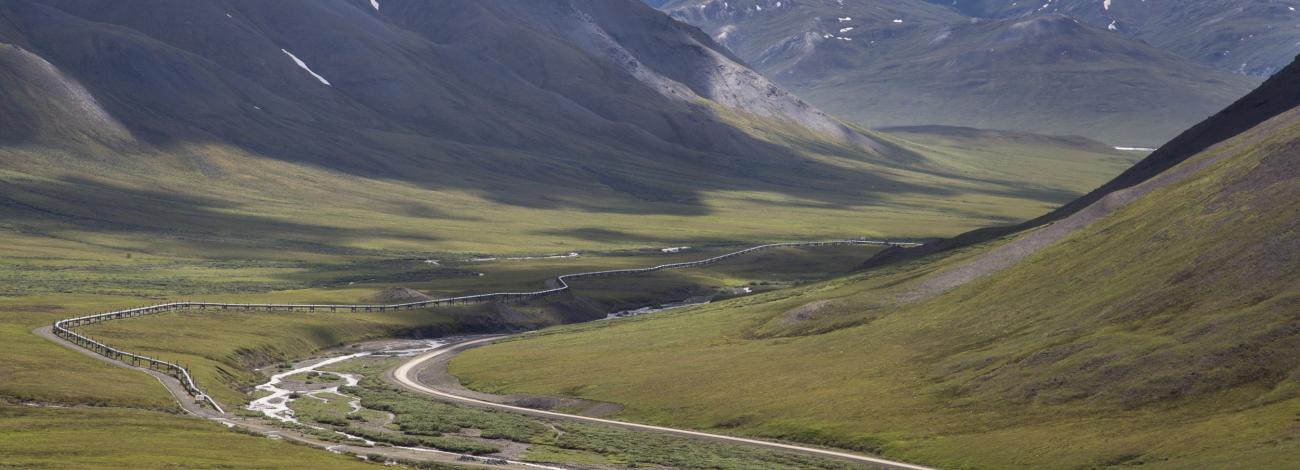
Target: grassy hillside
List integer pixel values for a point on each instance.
(127, 439)
(1161, 334)
(224, 203)
(1058, 164)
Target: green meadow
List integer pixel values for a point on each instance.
(129, 439)
(222, 348)
(400, 418)
(1144, 339)
(84, 233)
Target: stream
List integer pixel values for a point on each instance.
(277, 405)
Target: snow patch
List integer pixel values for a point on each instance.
(303, 65)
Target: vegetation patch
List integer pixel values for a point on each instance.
(1149, 336)
(421, 421)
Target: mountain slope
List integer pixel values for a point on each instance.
(33, 83)
(1274, 97)
(911, 63)
(1255, 37)
(1159, 330)
(223, 125)
(336, 73)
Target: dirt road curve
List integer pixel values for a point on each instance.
(406, 375)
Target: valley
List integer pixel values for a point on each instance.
(62, 264)
(1112, 332)
(665, 234)
(280, 404)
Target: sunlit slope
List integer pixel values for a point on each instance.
(1162, 333)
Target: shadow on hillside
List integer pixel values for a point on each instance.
(172, 219)
(603, 235)
(509, 132)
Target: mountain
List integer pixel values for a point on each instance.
(554, 125)
(1275, 97)
(1153, 323)
(145, 117)
(390, 91)
(906, 63)
(1255, 37)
